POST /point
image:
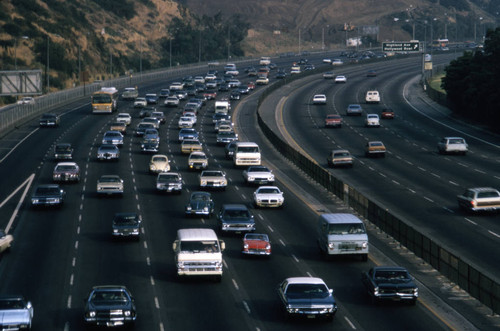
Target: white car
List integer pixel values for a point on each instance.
(186, 122)
(26, 101)
(124, 118)
(329, 61)
(171, 101)
(258, 174)
(176, 86)
(140, 102)
(372, 97)
(199, 79)
(337, 62)
(453, 145)
(159, 163)
(262, 81)
(340, 79)
(268, 196)
(192, 115)
(5, 241)
(319, 99)
(372, 120)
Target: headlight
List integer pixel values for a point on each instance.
(205, 208)
(115, 230)
(127, 313)
(92, 313)
(152, 167)
(331, 245)
(245, 246)
(189, 208)
(365, 245)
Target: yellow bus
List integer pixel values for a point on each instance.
(105, 101)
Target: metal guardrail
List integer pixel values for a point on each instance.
(470, 278)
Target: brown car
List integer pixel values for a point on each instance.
(375, 148)
(333, 120)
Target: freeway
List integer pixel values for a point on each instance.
(60, 254)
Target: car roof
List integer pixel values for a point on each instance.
(66, 164)
(196, 234)
(482, 189)
(234, 206)
(389, 268)
(304, 280)
(341, 218)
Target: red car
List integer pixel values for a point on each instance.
(333, 120)
(210, 95)
(387, 113)
(251, 85)
(256, 244)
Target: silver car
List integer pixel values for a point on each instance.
(113, 137)
(108, 152)
(110, 184)
(16, 313)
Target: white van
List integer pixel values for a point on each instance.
(342, 234)
(198, 252)
(246, 154)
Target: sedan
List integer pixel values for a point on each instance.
(110, 184)
(333, 120)
(171, 101)
(113, 138)
(126, 225)
(328, 75)
(340, 79)
(256, 244)
(319, 99)
(152, 98)
(258, 174)
(169, 182)
(159, 163)
(63, 151)
(187, 133)
(387, 113)
(108, 152)
(375, 148)
(340, 157)
(5, 241)
(479, 199)
(109, 305)
(390, 283)
(140, 102)
(49, 120)
(124, 118)
(354, 109)
(200, 204)
(186, 122)
(235, 218)
(48, 195)
(268, 196)
(197, 161)
(371, 73)
(66, 172)
(308, 297)
(224, 137)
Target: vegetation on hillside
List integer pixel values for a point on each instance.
(472, 82)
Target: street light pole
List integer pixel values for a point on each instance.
(228, 42)
(48, 65)
(140, 56)
(299, 39)
(323, 39)
(199, 48)
(170, 51)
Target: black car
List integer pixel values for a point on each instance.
(126, 225)
(48, 195)
(49, 120)
(150, 146)
(235, 218)
(110, 305)
(229, 149)
(63, 151)
(390, 283)
(235, 95)
(220, 117)
(224, 87)
(280, 75)
(225, 137)
(200, 204)
(308, 297)
(147, 111)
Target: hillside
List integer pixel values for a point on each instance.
(112, 37)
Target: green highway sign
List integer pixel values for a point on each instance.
(401, 47)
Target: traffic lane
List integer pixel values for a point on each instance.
(389, 178)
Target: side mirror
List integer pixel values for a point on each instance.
(175, 245)
(222, 245)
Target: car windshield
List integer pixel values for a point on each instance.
(456, 141)
(12, 304)
(211, 174)
(110, 179)
(391, 275)
(65, 167)
(270, 190)
(108, 148)
(103, 296)
(159, 159)
(47, 190)
(237, 213)
(167, 177)
(208, 246)
(200, 196)
(244, 149)
(112, 134)
(346, 228)
(197, 156)
(61, 148)
(256, 236)
(340, 154)
(258, 169)
(319, 290)
(376, 144)
(126, 220)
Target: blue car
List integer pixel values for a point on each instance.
(152, 98)
(188, 133)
